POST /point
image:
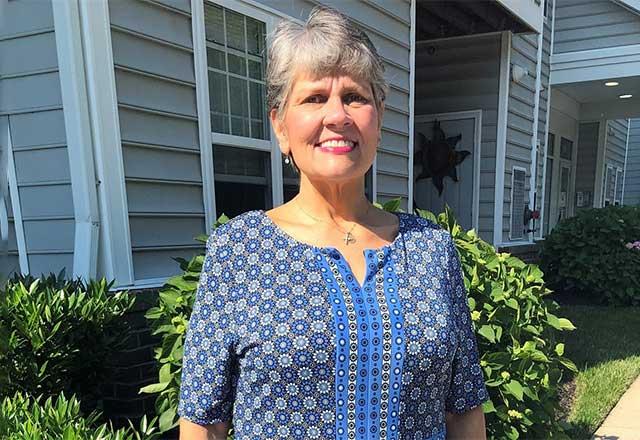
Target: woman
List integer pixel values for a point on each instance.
(327, 318)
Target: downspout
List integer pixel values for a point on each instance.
(79, 137)
(533, 188)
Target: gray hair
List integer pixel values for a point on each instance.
(327, 44)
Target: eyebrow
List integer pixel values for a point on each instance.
(314, 89)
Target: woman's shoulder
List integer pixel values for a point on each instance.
(420, 227)
(236, 230)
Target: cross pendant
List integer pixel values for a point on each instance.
(348, 238)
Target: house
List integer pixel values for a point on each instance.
(127, 127)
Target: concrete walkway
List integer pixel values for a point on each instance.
(623, 422)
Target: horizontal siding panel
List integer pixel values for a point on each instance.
(50, 263)
(49, 235)
(392, 184)
(399, 8)
(148, 128)
(149, 19)
(44, 201)
(26, 16)
(397, 99)
(394, 142)
(164, 198)
(147, 232)
(42, 165)
(391, 163)
(396, 121)
(471, 86)
(158, 59)
(41, 49)
(29, 92)
(160, 263)
(155, 94)
(41, 128)
(596, 32)
(148, 163)
(182, 5)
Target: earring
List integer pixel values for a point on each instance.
(286, 160)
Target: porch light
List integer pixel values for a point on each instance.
(611, 83)
(625, 96)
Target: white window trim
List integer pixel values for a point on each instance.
(79, 143)
(115, 239)
(501, 138)
(412, 99)
(270, 17)
(15, 201)
(524, 235)
(533, 178)
(476, 115)
(546, 129)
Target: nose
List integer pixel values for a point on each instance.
(336, 115)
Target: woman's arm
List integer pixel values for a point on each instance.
(466, 426)
(192, 431)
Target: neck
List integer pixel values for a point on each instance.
(341, 201)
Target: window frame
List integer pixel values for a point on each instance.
(605, 199)
(270, 17)
(617, 195)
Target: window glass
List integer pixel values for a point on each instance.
(235, 60)
(242, 180)
(566, 148)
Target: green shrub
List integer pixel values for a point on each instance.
(24, 418)
(587, 254)
(516, 330)
(58, 335)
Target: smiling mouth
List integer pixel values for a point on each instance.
(338, 144)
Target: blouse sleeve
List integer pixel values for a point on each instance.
(209, 373)
(467, 388)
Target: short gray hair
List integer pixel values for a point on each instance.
(327, 44)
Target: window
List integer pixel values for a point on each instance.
(518, 203)
(609, 186)
(566, 148)
(617, 198)
(235, 62)
(551, 140)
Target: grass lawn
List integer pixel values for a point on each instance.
(606, 349)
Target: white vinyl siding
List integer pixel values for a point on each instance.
(632, 170)
(155, 84)
(30, 99)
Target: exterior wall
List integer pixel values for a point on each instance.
(463, 74)
(30, 99)
(520, 117)
(593, 24)
(159, 130)
(387, 23)
(632, 170)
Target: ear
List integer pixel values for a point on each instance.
(280, 132)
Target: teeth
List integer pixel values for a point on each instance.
(338, 143)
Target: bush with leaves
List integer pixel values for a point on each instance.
(516, 330)
(588, 254)
(58, 335)
(25, 418)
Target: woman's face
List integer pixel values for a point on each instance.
(331, 127)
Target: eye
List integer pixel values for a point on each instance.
(314, 99)
(355, 97)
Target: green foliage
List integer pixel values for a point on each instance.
(170, 319)
(516, 330)
(24, 418)
(587, 254)
(58, 335)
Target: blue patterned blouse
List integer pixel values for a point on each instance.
(284, 340)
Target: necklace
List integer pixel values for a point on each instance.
(348, 236)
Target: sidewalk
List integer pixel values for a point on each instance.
(623, 422)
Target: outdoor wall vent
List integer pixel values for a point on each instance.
(518, 73)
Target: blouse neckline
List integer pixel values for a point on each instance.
(325, 249)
